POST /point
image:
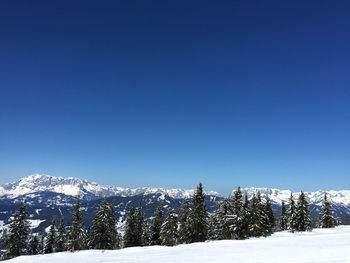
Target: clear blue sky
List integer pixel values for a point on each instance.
(170, 93)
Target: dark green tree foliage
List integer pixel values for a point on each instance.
(77, 236)
(326, 219)
(283, 220)
(133, 231)
(61, 238)
(33, 245)
(199, 216)
(212, 227)
(185, 227)
(50, 239)
(157, 226)
(303, 221)
(16, 239)
(146, 234)
(246, 217)
(263, 217)
(130, 226)
(238, 232)
(168, 232)
(104, 231)
(41, 244)
(292, 224)
(270, 216)
(257, 225)
(224, 220)
(139, 224)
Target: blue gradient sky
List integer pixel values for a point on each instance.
(170, 93)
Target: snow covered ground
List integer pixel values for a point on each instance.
(320, 245)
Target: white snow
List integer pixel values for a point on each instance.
(34, 223)
(341, 197)
(318, 246)
(72, 186)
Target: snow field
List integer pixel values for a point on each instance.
(318, 246)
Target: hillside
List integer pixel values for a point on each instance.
(318, 246)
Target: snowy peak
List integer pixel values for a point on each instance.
(341, 197)
(73, 186)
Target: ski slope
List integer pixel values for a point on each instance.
(320, 245)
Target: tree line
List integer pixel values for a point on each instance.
(234, 218)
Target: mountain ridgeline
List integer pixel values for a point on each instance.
(48, 197)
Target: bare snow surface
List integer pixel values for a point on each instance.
(320, 245)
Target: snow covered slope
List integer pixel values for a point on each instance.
(72, 186)
(318, 246)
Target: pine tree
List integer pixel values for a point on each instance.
(326, 219)
(270, 216)
(283, 220)
(224, 220)
(258, 218)
(61, 239)
(146, 234)
(245, 217)
(41, 243)
(199, 216)
(264, 220)
(138, 225)
(212, 227)
(168, 233)
(33, 246)
(132, 236)
(185, 227)
(104, 227)
(50, 239)
(237, 219)
(303, 221)
(292, 224)
(77, 237)
(157, 226)
(16, 239)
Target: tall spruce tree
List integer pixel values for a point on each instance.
(146, 234)
(326, 219)
(185, 227)
(50, 239)
(76, 236)
(303, 221)
(212, 227)
(157, 226)
(104, 227)
(168, 233)
(270, 216)
(224, 219)
(41, 244)
(33, 245)
(199, 216)
(61, 238)
(245, 217)
(18, 231)
(238, 232)
(263, 217)
(258, 217)
(131, 236)
(292, 223)
(138, 224)
(283, 220)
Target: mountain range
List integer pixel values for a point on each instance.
(50, 197)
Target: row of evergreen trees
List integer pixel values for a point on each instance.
(234, 218)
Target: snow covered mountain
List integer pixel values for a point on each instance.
(37, 183)
(276, 196)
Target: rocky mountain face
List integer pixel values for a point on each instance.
(47, 197)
